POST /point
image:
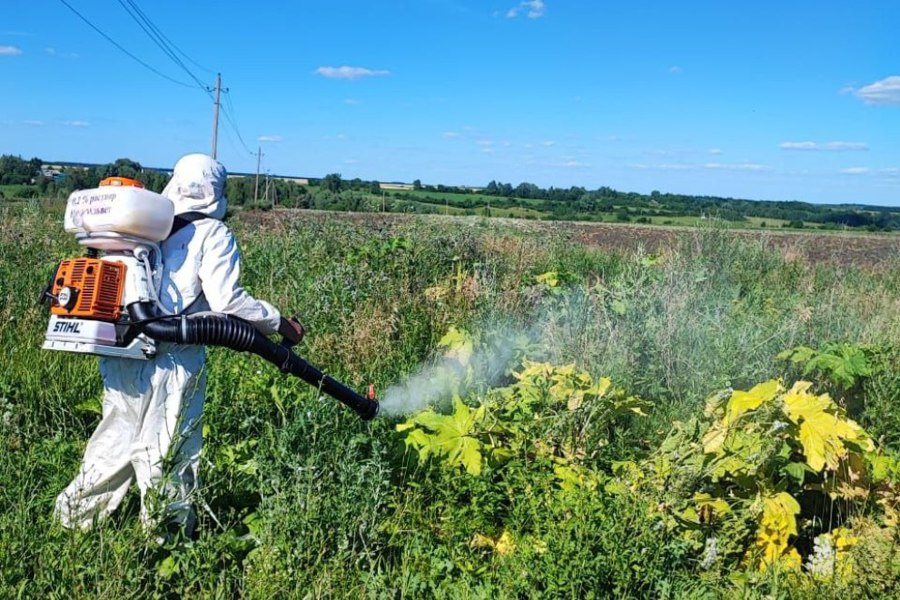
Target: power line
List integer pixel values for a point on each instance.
(151, 30)
(169, 48)
(119, 46)
(230, 116)
(165, 38)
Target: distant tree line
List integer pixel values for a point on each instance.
(332, 192)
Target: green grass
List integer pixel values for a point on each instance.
(306, 501)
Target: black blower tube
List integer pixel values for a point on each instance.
(236, 334)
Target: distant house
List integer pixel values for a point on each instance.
(396, 186)
(53, 173)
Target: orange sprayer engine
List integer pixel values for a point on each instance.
(88, 288)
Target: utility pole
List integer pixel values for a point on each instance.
(258, 158)
(215, 131)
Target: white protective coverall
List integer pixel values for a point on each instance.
(150, 430)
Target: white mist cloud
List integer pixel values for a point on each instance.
(829, 146)
(437, 381)
(270, 138)
(34, 123)
(345, 72)
(856, 171)
(714, 151)
(675, 70)
(884, 92)
(10, 51)
(76, 124)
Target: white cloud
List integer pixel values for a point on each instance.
(451, 135)
(352, 102)
(574, 164)
(548, 143)
(346, 72)
(714, 151)
(533, 9)
(341, 136)
(54, 52)
(487, 146)
(76, 123)
(744, 166)
(34, 123)
(885, 91)
(885, 172)
(10, 51)
(270, 138)
(675, 70)
(829, 146)
(666, 167)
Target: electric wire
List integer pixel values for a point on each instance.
(121, 48)
(169, 48)
(165, 38)
(156, 38)
(231, 117)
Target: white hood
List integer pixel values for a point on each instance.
(198, 185)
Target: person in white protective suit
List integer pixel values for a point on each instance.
(150, 431)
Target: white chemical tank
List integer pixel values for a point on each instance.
(107, 216)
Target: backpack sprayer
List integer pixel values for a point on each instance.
(107, 302)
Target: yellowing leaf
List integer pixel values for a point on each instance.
(714, 438)
(503, 545)
(550, 279)
(823, 428)
(458, 344)
(777, 523)
(741, 402)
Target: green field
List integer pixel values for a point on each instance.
(546, 481)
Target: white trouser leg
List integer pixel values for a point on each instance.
(106, 472)
(165, 454)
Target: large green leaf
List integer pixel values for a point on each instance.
(448, 436)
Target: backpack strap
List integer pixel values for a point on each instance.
(184, 219)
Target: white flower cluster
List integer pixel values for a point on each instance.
(778, 427)
(821, 562)
(5, 413)
(710, 553)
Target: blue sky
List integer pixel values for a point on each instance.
(795, 99)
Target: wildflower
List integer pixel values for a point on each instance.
(710, 553)
(821, 562)
(6, 414)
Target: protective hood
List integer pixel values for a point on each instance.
(198, 185)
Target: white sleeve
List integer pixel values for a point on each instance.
(220, 273)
